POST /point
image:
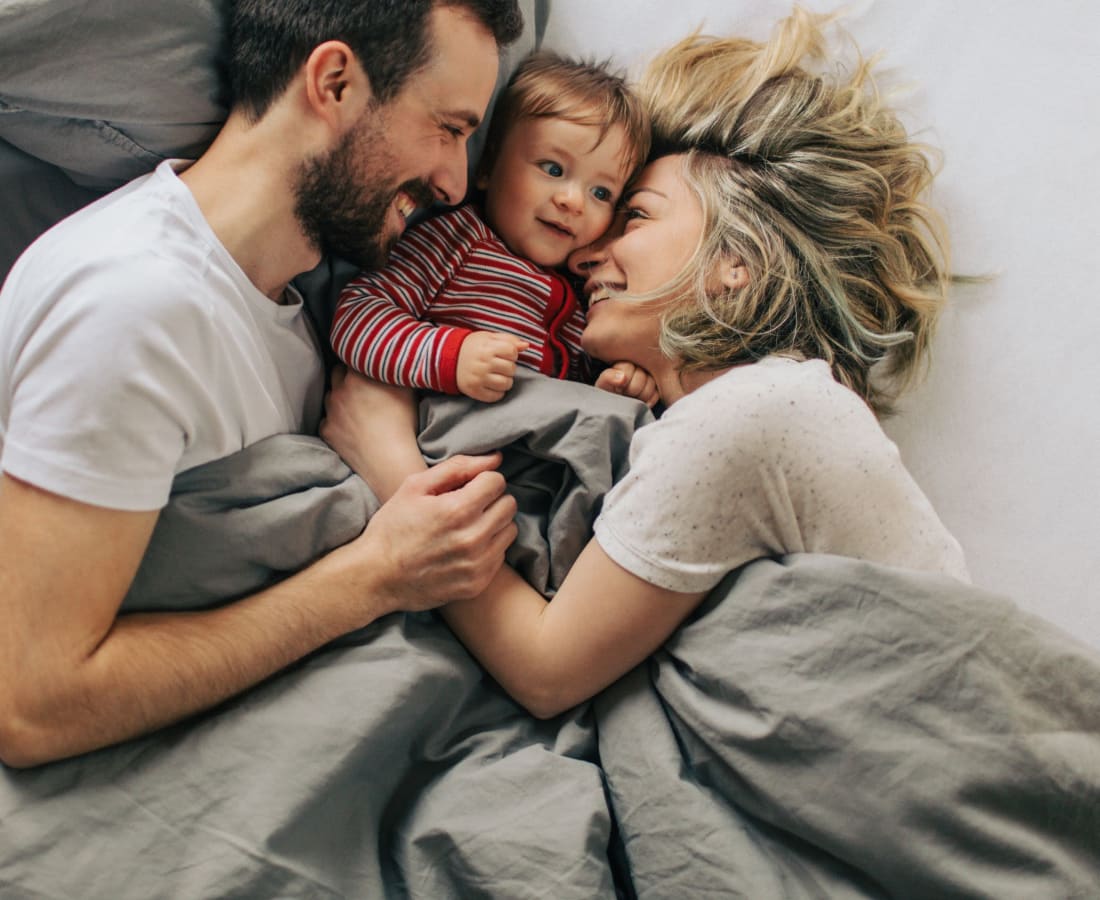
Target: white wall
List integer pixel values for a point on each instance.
(1004, 435)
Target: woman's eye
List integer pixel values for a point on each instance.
(602, 194)
(553, 169)
(632, 213)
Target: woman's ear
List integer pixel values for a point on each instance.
(733, 274)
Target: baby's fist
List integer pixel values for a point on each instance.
(630, 380)
(487, 364)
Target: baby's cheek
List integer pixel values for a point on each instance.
(595, 228)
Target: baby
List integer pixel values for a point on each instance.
(470, 294)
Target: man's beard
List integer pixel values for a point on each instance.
(342, 216)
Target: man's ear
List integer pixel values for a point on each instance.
(337, 88)
(733, 274)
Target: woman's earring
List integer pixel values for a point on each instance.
(734, 276)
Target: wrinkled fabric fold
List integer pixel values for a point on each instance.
(821, 727)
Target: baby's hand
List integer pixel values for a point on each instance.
(631, 381)
(487, 364)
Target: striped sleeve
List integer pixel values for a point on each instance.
(378, 328)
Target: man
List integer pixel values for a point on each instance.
(157, 330)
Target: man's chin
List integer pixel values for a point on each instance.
(376, 256)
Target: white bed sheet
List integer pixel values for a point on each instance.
(1005, 432)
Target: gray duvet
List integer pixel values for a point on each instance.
(821, 727)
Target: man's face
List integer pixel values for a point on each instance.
(354, 200)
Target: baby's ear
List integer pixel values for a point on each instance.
(484, 168)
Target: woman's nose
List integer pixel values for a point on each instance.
(584, 259)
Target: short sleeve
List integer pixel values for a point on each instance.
(107, 391)
(696, 502)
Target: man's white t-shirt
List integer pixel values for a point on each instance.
(133, 347)
(767, 459)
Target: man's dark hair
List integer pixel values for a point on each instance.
(269, 40)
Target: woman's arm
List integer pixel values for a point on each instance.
(551, 656)
(548, 656)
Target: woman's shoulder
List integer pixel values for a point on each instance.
(775, 390)
(774, 413)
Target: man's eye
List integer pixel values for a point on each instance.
(454, 131)
(602, 194)
(553, 169)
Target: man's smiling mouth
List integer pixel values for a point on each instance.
(405, 204)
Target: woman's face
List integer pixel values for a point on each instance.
(649, 244)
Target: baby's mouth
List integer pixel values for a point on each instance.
(560, 229)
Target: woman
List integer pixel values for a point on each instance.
(774, 250)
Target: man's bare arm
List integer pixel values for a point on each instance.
(74, 676)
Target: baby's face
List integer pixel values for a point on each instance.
(553, 188)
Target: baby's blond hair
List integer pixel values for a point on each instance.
(548, 85)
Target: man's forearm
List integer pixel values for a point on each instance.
(74, 676)
(153, 669)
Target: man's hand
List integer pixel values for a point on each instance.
(441, 533)
(631, 381)
(487, 364)
(441, 537)
(75, 676)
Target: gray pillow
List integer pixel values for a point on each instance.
(105, 89)
(33, 195)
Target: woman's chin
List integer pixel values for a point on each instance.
(592, 345)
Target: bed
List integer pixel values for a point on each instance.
(821, 727)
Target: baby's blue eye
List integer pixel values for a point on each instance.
(602, 194)
(553, 169)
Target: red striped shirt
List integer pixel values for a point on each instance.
(446, 277)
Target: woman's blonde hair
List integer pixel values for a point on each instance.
(548, 85)
(812, 184)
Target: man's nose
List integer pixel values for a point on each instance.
(449, 179)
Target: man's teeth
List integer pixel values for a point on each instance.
(405, 205)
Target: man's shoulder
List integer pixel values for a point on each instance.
(113, 255)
